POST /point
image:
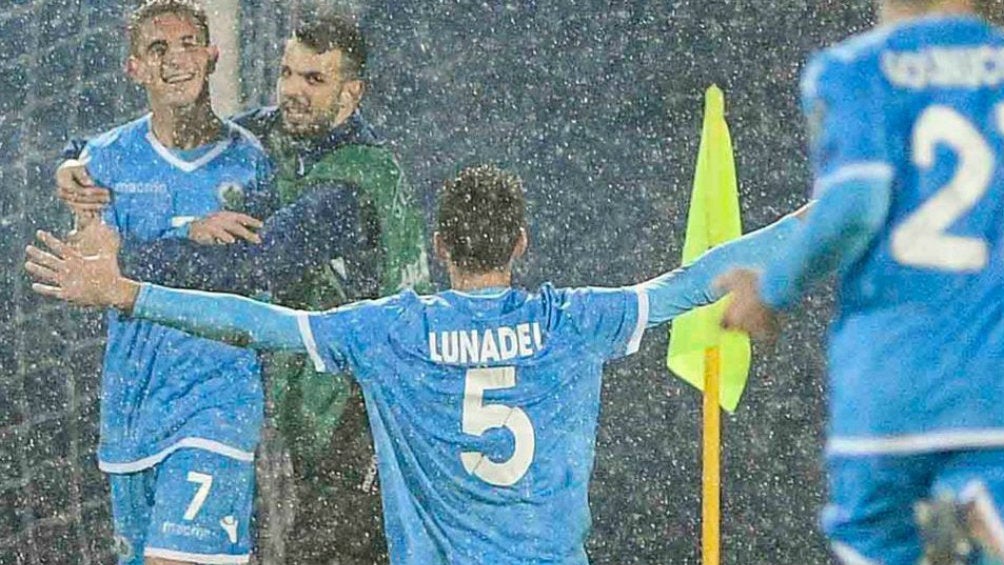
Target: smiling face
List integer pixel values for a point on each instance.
(172, 60)
(314, 95)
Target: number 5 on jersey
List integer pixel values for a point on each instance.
(479, 417)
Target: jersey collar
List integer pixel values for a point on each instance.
(179, 163)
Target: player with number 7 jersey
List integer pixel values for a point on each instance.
(484, 399)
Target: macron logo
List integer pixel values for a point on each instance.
(229, 525)
(140, 188)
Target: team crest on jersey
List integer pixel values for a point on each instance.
(123, 548)
(231, 195)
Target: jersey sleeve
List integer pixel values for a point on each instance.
(337, 340)
(611, 321)
(844, 105)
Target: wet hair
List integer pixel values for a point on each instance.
(480, 215)
(153, 8)
(331, 32)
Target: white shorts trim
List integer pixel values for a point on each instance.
(917, 443)
(207, 558)
(307, 334)
(848, 556)
(639, 329)
(188, 442)
(866, 170)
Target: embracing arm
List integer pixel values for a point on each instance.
(322, 225)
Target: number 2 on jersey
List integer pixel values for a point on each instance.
(921, 240)
(479, 417)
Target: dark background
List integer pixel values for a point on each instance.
(597, 105)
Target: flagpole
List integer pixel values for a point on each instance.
(711, 475)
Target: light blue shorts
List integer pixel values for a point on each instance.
(193, 506)
(870, 518)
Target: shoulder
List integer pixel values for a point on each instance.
(118, 137)
(246, 144)
(848, 66)
(365, 133)
(375, 158)
(242, 137)
(391, 306)
(258, 120)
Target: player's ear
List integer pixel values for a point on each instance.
(522, 243)
(439, 247)
(133, 70)
(214, 58)
(352, 93)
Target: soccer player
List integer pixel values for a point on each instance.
(180, 416)
(483, 400)
(319, 139)
(907, 146)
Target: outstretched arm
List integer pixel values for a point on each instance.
(681, 290)
(63, 272)
(222, 317)
(837, 232)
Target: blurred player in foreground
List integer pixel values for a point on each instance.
(483, 400)
(907, 129)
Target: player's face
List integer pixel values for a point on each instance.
(172, 60)
(313, 95)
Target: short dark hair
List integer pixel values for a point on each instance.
(480, 215)
(335, 32)
(153, 8)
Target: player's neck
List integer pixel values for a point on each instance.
(894, 12)
(185, 127)
(460, 280)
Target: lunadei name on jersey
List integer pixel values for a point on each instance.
(486, 346)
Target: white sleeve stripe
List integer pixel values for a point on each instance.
(303, 322)
(639, 329)
(867, 170)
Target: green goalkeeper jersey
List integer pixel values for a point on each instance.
(308, 410)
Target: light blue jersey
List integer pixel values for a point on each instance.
(483, 406)
(484, 410)
(908, 151)
(917, 350)
(163, 390)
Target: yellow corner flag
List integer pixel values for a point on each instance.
(713, 220)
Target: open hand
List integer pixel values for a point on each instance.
(746, 311)
(96, 238)
(65, 273)
(224, 227)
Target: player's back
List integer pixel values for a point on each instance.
(484, 410)
(917, 348)
(163, 389)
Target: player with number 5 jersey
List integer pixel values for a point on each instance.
(483, 399)
(908, 152)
